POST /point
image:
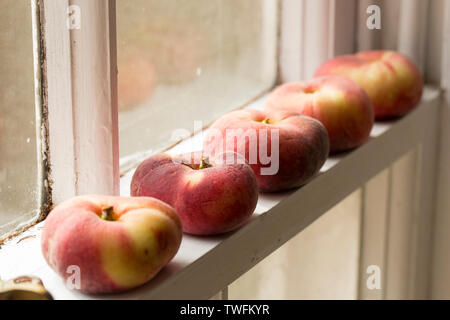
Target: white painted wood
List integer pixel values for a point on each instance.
(391, 12)
(291, 40)
(424, 212)
(398, 211)
(343, 26)
(434, 67)
(269, 33)
(81, 77)
(59, 99)
(413, 30)
(317, 35)
(321, 262)
(374, 221)
(204, 266)
(404, 26)
(313, 31)
(440, 277)
(440, 282)
(95, 110)
(367, 39)
(399, 250)
(445, 79)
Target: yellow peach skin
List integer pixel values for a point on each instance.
(117, 243)
(392, 82)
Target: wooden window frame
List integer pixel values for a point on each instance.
(77, 65)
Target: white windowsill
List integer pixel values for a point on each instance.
(204, 266)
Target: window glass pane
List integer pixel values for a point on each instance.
(184, 60)
(18, 160)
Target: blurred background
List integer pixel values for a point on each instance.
(183, 60)
(18, 151)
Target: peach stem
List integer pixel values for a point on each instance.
(107, 213)
(266, 121)
(204, 163)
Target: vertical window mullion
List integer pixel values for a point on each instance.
(291, 40)
(413, 30)
(80, 71)
(59, 123)
(313, 31)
